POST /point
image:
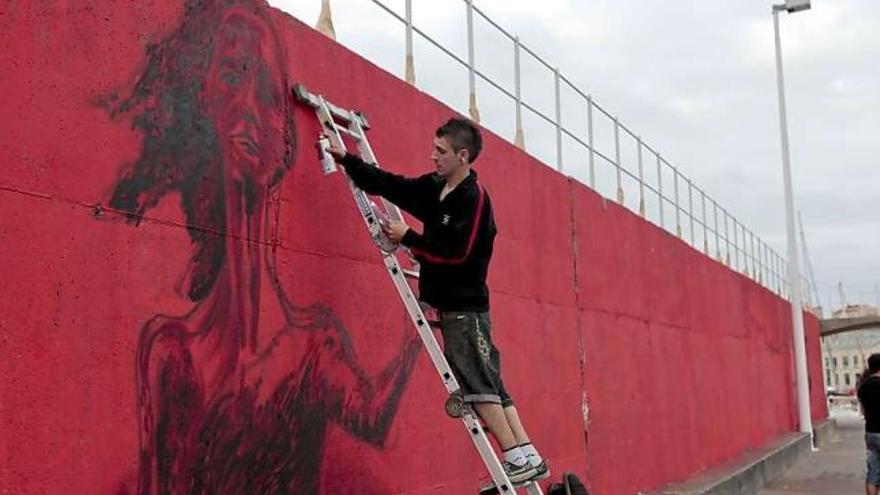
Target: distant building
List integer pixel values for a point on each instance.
(855, 311)
(845, 356)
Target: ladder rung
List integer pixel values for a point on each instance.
(303, 95)
(347, 132)
(411, 273)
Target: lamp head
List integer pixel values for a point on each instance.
(792, 6)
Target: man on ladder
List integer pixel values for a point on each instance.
(454, 253)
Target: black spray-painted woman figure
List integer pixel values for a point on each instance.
(229, 405)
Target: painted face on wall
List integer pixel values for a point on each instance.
(243, 96)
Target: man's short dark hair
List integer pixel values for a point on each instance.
(462, 134)
(873, 363)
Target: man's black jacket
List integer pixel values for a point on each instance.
(459, 232)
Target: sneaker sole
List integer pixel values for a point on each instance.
(522, 478)
(489, 489)
(540, 476)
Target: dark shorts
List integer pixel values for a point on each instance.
(474, 359)
(872, 448)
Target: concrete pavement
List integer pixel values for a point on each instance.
(836, 469)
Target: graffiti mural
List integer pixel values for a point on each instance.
(228, 403)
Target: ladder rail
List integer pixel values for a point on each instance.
(302, 94)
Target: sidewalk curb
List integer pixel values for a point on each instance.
(750, 471)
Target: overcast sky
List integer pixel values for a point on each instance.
(696, 80)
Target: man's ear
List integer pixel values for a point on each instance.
(464, 155)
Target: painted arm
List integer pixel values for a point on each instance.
(362, 405)
(169, 396)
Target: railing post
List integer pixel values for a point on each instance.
(776, 273)
(325, 20)
(558, 120)
(705, 226)
(726, 237)
(691, 210)
(410, 65)
(520, 138)
(660, 189)
(787, 284)
(617, 160)
(756, 263)
(749, 246)
(735, 245)
(641, 178)
(783, 275)
(590, 141)
(761, 263)
(677, 202)
(472, 81)
(747, 252)
(717, 232)
(779, 279)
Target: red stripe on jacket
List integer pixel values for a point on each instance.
(473, 237)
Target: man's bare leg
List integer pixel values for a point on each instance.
(522, 439)
(519, 432)
(496, 420)
(870, 489)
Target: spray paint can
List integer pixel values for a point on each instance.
(328, 164)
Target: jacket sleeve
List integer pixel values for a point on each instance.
(452, 245)
(409, 194)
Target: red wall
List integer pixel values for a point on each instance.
(617, 337)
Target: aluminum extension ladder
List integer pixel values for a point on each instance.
(354, 125)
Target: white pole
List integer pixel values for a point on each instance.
(800, 353)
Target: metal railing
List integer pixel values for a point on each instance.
(668, 203)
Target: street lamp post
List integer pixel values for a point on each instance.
(800, 354)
